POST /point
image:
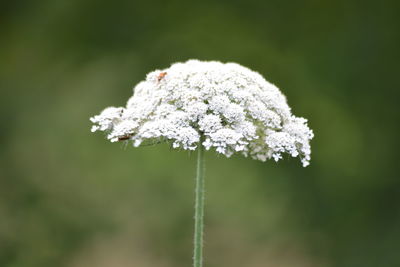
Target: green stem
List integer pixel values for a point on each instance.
(199, 209)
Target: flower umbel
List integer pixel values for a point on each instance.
(234, 108)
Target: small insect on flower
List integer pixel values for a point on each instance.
(161, 76)
(123, 138)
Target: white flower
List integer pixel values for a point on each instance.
(235, 110)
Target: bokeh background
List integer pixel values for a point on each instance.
(69, 198)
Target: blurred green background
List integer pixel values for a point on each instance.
(70, 198)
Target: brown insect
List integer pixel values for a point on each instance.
(123, 138)
(161, 76)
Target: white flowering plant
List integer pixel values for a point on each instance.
(234, 108)
(209, 105)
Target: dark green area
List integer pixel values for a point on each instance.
(70, 198)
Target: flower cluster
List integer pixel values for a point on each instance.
(229, 107)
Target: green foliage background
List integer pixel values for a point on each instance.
(69, 198)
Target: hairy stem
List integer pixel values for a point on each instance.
(199, 209)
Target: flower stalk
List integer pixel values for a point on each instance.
(199, 208)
